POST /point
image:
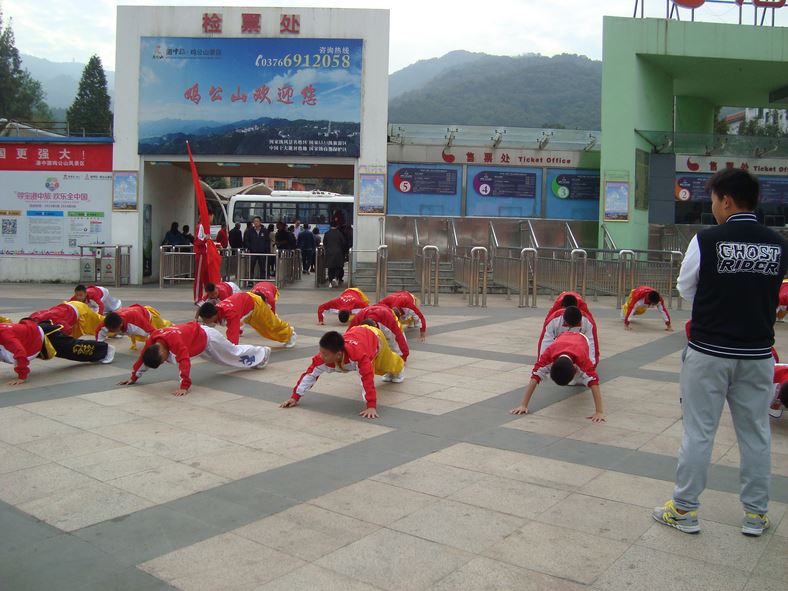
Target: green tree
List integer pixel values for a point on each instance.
(721, 126)
(21, 97)
(90, 112)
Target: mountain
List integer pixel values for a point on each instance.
(523, 91)
(416, 75)
(60, 80)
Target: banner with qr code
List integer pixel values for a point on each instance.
(244, 96)
(54, 213)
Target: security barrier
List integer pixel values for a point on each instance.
(428, 270)
(105, 263)
(381, 257)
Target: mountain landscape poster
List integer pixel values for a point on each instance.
(282, 97)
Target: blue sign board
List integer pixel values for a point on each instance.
(572, 194)
(503, 192)
(424, 189)
(255, 96)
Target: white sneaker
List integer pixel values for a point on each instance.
(266, 357)
(110, 355)
(776, 413)
(398, 378)
(386, 377)
(291, 341)
(334, 283)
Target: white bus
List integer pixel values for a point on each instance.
(316, 208)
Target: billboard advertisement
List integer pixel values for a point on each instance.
(250, 96)
(503, 192)
(692, 187)
(424, 189)
(54, 212)
(573, 194)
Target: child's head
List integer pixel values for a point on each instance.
(332, 347)
(113, 322)
(80, 293)
(562, 370)
(343, 316)
(210, 291)
(369, 322)
(262, 295)
(155, 355)
(783, 395)
(572, 316)
(568, 300)
(209, 313)
(397, 312)
(652, 298)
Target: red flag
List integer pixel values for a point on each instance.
(207, 260)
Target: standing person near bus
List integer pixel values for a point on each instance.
(732, 273)
(306, 243)
(258, 243)
(236, 237)
(335, 246)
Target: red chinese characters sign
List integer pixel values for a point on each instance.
(211, 22)
(290, 23)
(250, 23)
(55, 156)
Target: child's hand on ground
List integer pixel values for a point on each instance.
(369, 413)
(290, 402)
(180, 392)
(126, 383)
(16, 382)
(597, 417)
(669, 328)
(519, 410)
(627, 327)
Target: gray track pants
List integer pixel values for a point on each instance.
(706, 382)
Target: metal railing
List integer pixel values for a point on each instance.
(528, 276)
(477, 284)
(108, 263)
(321, 271)
(176, 263)
(288, 266)
(607, 240)
(569, 238)
(577, 279)
(428, 269)
(248, 265)
(381, 268)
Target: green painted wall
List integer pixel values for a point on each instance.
(650, 64)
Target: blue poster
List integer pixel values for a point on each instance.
(273, 97)
(691, 186)
(572, 194)
(424, 189)
(503, 191)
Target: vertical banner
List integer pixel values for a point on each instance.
(372, 190)
(616, 194)
(124, 191)
(147, 240)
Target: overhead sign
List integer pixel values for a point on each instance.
(250, 96)
(53, 156)
(712, 164)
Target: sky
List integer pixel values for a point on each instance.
(66, 30)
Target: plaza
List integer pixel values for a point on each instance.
(105, 486)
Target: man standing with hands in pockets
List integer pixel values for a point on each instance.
(732, 273)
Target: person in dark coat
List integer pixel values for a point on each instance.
(257, 241)
(306, 242)
(187, 236)
(335, 246)
(173, 237)
(236, 237)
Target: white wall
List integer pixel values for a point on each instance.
(34, 269)
(158, 188)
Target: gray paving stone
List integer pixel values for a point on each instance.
(485, 574)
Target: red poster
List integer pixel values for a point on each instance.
(52, 156)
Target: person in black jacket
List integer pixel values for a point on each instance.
(732, 273)
(306, 242)
(335, 246)
(236, 237)
(257, 241)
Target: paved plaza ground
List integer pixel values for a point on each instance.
(114, 487)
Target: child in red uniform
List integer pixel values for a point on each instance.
(180, 342)
(248, 308)
(780, 390)
(98, 298)
(364, 349)
(268, 291)
(569, 319)
(782, 308)
(216, 292)
(136, 321)
(23, 341)
(348, 303)
(570, 298)
(566, 360)
(76, 318)
(406, 308)
(641, 299)
(387, 322)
